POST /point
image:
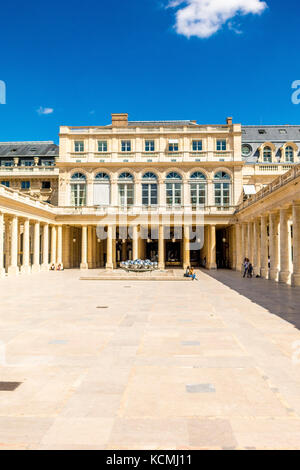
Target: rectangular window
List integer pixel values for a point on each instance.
(8, 163)
(149, 146)
(46, 185)
(198, 194)
(221, 145)
(47, 162)
(173, 147)
(79, 146)
(25, 184)
(126, 194)
(222, 194)
(149, 194)
(197, 145)
(5, 183)
(102, 146)
(173, 193)
(126, 146)
(26, 162)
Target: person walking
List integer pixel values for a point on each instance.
(246, 266)
(250, 271)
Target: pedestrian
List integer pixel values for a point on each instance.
(250, 271)
(246, 266)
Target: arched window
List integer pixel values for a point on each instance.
(150, 176)
(149, 189)
(173, 176)
(125, 176)
(126, 189)
(78, 190)
(101, 189)
(222, 175)
(222, 184)
(198, 189)
(289, 154)
(267, 155)
(173, 189)
(102, 176)
(79, 176)
(198, 176)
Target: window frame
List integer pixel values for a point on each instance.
(80, 145)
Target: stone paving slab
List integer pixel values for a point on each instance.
(206, 365)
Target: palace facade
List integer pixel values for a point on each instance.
(172, 191)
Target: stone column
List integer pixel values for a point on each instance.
(186, 247)
(284, 273)
(36, 248)
(296, 244)
(186, 194)
(238, 248)
(274, 245)
(45, 248)
(264, 270)
(13, 267)
(161, 193)
(135, 242)
(25, 268)
(59, 244)
(212, 264)
(95, 247)
(53, 245)
(109, 248)
(67, 247)
(244, 241)
(90, 246)
(124, 251)
(2, 270)
(250, 241)
(256, 247)
(161, 247)
(84, 248)
(138, 192)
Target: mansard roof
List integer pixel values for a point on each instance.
(28, 149)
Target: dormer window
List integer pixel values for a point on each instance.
(289, 154)
(267, 155)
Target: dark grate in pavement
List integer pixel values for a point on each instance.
(9, 386)
(102, 306)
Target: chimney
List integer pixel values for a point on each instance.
(119, 120)
(229, 121)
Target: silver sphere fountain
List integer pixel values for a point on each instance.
(139, 265)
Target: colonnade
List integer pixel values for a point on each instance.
(271, 241)
(108, 246)
(30, 245)
(25, 247)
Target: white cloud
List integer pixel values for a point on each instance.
(42, 110)
(203, 18)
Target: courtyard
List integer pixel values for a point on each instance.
(213, 364)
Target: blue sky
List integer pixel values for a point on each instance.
(80, 61)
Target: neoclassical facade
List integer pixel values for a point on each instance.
(172, 191)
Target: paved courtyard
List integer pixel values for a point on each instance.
(149, 365)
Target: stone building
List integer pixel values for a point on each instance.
(171, 191)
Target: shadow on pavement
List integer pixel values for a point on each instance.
(280, 299)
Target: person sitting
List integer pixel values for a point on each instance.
(60, 267)
(192, 274)
(52, 267)
(187, 272)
